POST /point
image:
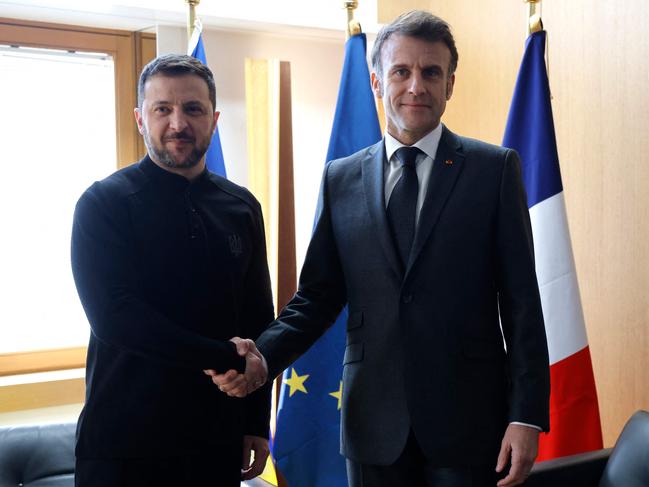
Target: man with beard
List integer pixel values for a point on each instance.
(170, 263)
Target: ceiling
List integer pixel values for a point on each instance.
(311, 18)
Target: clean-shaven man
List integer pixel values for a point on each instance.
(426, 237)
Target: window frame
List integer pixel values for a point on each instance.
(119, 44)
(130, 51)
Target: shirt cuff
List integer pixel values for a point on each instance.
(528, 425)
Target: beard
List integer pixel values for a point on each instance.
(165, 157)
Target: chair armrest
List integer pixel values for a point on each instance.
(583, 469)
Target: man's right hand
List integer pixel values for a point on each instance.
(239, 385)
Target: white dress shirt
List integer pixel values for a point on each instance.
(424, 164)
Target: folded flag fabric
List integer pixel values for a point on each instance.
(214, 157)
(574, 412)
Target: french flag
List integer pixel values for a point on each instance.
(574, 413)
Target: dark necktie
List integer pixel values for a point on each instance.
(402, 207)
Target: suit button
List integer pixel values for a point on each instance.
(407, 298)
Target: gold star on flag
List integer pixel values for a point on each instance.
(296, 382)
(338, 394)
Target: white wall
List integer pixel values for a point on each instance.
(315, 74)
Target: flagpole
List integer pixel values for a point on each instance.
(534, 22)
(191, 16)
(353, 26)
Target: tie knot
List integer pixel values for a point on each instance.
(408, 155)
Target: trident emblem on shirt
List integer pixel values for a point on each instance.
(236, 247)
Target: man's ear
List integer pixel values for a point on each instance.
(216, 119)
(376, 85)
(450, 83)
(138, 120)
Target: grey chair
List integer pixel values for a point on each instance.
(625, 465)
(37, 456)
(43, 456)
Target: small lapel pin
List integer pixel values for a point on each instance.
(448, 162)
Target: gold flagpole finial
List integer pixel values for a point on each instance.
(353, 26)
(534, 22)
(191, 16)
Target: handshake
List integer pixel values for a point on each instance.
(235, 384)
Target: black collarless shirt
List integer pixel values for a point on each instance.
(168, 271)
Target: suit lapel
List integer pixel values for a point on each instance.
(372, 170)
(447, 166)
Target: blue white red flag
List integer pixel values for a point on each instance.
(574, 413)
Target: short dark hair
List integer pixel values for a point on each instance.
(420, 24)
(176, 65)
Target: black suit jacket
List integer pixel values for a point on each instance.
(425, 350)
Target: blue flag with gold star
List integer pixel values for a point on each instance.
(214, 157)
(307, 439)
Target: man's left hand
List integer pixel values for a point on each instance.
(520, 443)
(260, 447)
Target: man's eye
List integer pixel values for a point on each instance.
(401, 72)
(194, 110)
(162, 110)
(432, 73)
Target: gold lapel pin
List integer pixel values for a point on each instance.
(448, 162)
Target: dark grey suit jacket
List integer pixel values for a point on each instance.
(425, 350)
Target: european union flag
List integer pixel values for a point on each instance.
(214, 156)
(307, 439)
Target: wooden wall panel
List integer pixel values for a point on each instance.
(270, 152)
(45, 393)
(42, 360)
(145, 51)
(599, 73)
(598, 56)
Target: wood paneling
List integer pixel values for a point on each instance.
(19, 397)
(262, 126)
(598, 55)
(270, 153)
(286, 276)
(145, 51)
(599, 73)
(42, 360)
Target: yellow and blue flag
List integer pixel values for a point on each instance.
(214, 157)
(307, 439)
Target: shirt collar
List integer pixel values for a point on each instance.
(428, 143)
(169, 178)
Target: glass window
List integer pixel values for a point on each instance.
(58, 136)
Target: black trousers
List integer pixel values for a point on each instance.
(220, 468)
(412, 469)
